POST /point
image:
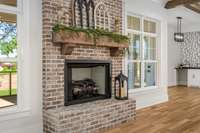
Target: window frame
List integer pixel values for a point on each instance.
(142, 34)
(22, 108)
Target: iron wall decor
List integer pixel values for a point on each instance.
(102, 16)
(84, 7)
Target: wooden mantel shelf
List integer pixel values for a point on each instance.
(70, 40)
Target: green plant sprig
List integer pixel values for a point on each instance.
(92, 33)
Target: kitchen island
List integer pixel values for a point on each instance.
(188, 76)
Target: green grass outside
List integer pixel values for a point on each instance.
(6, 92)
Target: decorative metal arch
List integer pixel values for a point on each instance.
(89, 8)
(102, 16)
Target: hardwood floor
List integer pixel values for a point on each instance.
(180, 115)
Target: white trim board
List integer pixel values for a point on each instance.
(149, 97)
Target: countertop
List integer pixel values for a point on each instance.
(187, 68)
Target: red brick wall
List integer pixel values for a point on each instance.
(53, 60)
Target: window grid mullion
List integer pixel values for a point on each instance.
(142, 53)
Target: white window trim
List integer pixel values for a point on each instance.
(142, 34)
(143, 89)
(22, 109)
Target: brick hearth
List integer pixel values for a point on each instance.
(89, 117)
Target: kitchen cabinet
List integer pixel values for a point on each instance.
(188, 76)
(193, 78)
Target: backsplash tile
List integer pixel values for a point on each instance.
(190, 49)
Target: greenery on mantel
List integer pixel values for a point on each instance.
(93, 33)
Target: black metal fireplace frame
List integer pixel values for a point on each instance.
(67, 79)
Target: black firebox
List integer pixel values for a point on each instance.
(87, 80)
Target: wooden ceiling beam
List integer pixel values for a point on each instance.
(9, 2)
(197, 10)
(196, 5)
(175, 3)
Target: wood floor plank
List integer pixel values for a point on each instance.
(180, 115)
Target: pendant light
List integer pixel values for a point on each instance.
(178, 36)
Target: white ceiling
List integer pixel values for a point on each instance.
(162, 2)
(189, 17)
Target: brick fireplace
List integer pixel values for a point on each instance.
(95, 115)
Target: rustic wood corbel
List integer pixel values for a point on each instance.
(67, 50)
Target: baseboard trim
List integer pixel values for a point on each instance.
(173, 86)
(160, 100)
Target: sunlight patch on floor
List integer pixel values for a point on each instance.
(5, 103)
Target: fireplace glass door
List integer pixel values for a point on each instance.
(87, 80)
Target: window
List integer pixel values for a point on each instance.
(8, 53)
(142, 53)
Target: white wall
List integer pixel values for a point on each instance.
(191, 27)
(151, 9)
(174, 56)
(33, 122)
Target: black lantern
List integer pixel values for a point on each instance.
(121, 87)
